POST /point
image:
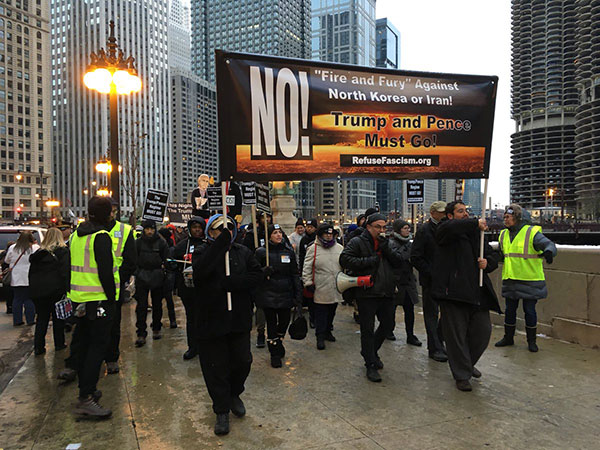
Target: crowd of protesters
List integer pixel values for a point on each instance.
(271, 278)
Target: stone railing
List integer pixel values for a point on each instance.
(572, 310)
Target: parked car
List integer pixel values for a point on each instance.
(10, 233)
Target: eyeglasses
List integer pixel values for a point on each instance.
(378, 227)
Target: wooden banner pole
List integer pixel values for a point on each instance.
(227, 268)
(482, 234)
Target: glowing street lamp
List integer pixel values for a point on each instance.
(103, 192)
(18, 176)
(111, 73)
(103, 166)
(52, 203)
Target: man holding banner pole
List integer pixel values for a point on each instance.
(465, 306)
(223, 333)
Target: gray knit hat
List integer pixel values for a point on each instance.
(516, 211)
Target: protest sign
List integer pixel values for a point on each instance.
(290, 119)
(155, 205)
(179, 213)
(415, 191)
(263, 198)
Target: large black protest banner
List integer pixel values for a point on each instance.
(289, 119)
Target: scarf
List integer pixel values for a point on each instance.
(326, 244)
(401, 238)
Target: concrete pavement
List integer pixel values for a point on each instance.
(319, 399)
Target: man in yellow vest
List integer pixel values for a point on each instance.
(94, 291)
(523, 247)
(123, 240)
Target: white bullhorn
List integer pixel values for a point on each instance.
(344, 282)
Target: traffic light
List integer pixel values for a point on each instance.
(19, 209)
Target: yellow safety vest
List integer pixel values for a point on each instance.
(521, 261)
(119, 234)
(85, 282)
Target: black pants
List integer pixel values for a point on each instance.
(141, 310)
(309, 302)
(225, 363)
(44, 308)
(467, 331)
(370, 340)
(432, 323)
(261, 321)
(168, 289)
(278, 321)
(324, 315)
(88, 348)
(112, 352)
(189, 303)
(409, 316)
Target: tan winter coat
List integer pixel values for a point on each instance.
(327, 266)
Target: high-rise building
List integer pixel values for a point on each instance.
(387, 53)
(472, 196)
(270, 27)
(25, 127)
(344, 31)
(544, 101)
(180, 39)
(587, 117)
(194, 132)
(80, 117)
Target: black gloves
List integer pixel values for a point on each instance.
(226, 283)
(268, 271)
(224, 238)
(548, 256)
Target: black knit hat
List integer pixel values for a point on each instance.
(300, 221)
(399, 224)
(313, 222)
(325, 227)
(272, 229)
(375, 217)
(370, 211)
(196, 219)
(99, 209)
(149, 223)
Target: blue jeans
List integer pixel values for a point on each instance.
(21, 298)
(528, 309)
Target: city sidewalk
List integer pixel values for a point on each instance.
(319, 399)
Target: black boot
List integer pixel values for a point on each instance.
(222, 425)
(509, 336)
(275, 353)
(373, 373)
(531, 337)
(260, 340)
(321, 342)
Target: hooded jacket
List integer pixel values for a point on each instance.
(213, 318)
(406, 282)
(360, 258)
(282, 289)
(455, 268)
(49, 273)
(184, 250)
(530, 290)
(152, 253)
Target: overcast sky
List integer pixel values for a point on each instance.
(461, 36)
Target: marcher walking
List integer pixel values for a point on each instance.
(123, 240)
(183, 252)
(149, 278)
(17, 259)
(309, 237)
(296, 237)
(279, 291)
(406, 284)
(94, 291)
(523, 248)
(170, 271)
(422, 257)
(224, 336)
(371, 254)
(464, 305)
(49, 281)
(321, 267)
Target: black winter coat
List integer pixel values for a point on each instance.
(184, 248)
(283, 289)
(423, 250)
(49, 273)
(249, 238)
(305, 242)
(360, 258)
(406, 282)
(456, 269)
(152, 253)
(213, 319)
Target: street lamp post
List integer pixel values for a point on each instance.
(41, 194)
(111, 73)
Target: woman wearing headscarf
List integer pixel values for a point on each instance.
(321, 267)
(17, 259)
(49, 281)
(279, 291)
(406, 283)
